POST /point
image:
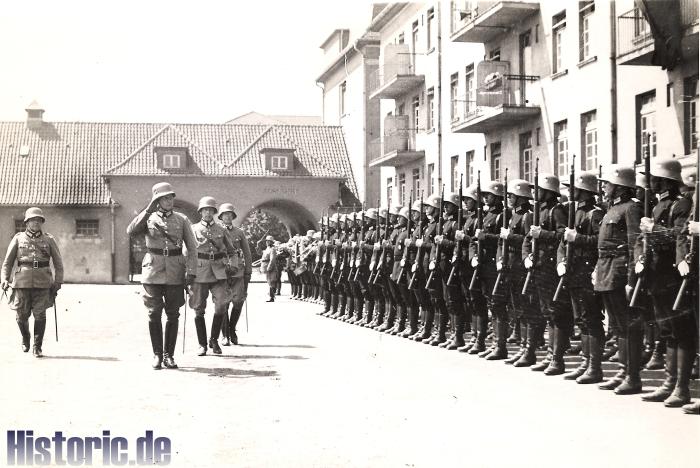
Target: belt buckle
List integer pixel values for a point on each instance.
(211, 256)
(166, 251)
(35, 264)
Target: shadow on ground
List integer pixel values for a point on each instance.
(83, 358)
(229, 372)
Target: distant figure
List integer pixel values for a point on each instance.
(268, 266)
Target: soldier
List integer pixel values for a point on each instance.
(163, 269)
(396, 321)
(416, 273)
(384, 308)
(34, 288)
(268, 266)
(669, 217)
(213, 250)
(373, 302)
(404, 273)
(614, 276)
(339, 263)
(240, 270)
(397, 285)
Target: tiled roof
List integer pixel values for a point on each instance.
(66, 160)
(255, 118)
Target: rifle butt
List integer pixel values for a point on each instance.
(635, 294)
(560, 286)
(680, 296)
(475, 279)
(526, 284)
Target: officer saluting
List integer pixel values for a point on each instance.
(163, 268)
(33, 287)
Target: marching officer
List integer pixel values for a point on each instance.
(240, 267)
(268, 266)
(163, 269)
(34, 288)
(213, 251)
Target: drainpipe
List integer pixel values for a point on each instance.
(323, 101)
(439, 93)
(365, 173)
(613, 82)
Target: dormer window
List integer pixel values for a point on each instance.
(278, 159)
(171, 158)
(279, 163)
(171, 161)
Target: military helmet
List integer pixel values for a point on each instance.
(34, 212)
(494, 187)
(207, 202)
(310, 233)
(334, 218)
(470, 192)
(520, 188)
(342, 218)
(383, 212)
(690, 177)
(371, 213)
(227, 208)
(549, 182)
(587, 181)
(620, 175)
(269, 239)
(434, 200)
(395, 210)
(453, 197)
(669, 168)
(416, 205)
(404, 212)
(161, 189)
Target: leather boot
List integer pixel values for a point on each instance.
(610, 352)
(340, 311)
(550, 350)
(529, 357)
(26, 336)
(657, 360)
(633, 382)
(201, 327)
(556, 365)
(376, 317)
(412, 322)
(472, 340)
(515, 335)
(458, 338)
(155, 330)
(441, 335)
(692, 408)
(594, 372)
(427, 325)
(482, 329)
(39, 328)
(613, 382)
(581, 369)
(233, 321)
(225, 333)
(399, 321)
(334, 305)
(494, 338)
(501, 352)
(170, 340)
(272, 294)
(214, 337)
(671, 371)
(349, 308)
(681, 394)
(389, 317)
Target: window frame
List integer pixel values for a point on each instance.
(430, 104)
(526, 163)
(276, 158)
(402, 188)
(496, 160)
(586, 10)
(589, 127)
(558, 30)
(469, 166)
(87, 227)
(561, 137)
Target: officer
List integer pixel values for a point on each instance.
(213, 251)
(614, 276)
(163, 268)
(586, 304)
(668, 219)
(240, 269)
(34, 288)
(268, 266)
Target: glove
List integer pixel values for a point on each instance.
(561, 268)
(459, 235)
(407, 242)
(639, 267)
(646, 225)
(5, 285)
(480, 234)
(528, 262)
(419, 242)
(438, 239)
(694, 227)
(535, 231)
(354, 244)
(505, 232)
(594, 276)
(570, 235)
(683, 268)
(53, 289)
(628, 291)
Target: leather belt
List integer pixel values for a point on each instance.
(166, 252)
(211, 256)
(34, 263)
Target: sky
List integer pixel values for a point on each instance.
(167, 61)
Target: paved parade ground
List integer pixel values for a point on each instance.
(307, 391)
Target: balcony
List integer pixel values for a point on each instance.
(501, 102)
(635, 41)
(397, 147)
(482, 21)
(396, 75)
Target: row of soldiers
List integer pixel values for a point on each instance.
(513, 254)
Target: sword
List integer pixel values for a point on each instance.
(184, 323)
(55, 318)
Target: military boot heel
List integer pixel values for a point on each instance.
(458, 338)
(201, 327)
(155, 330)
(556, 365)
(26, 336)
(681, 394)
(613, 382)
(581, 369)
(39, 328)
(669, 383)
(633, 382)
(594, 373)
(501, 351)
(170, 340)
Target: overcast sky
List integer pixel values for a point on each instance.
(174, 61)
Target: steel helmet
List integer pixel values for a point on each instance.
(161, 189)
(690, 177)
(669, 168)
(620, 175)
(434, 200)
(342, 218)
(549, 182)
(371, 213)
(470, 192)
(494, 187)
(317, 235)
(383, 212)
(520, 188)
(403, 212)
(453, 198)
(310, 233)
(207, 202)
(227, 208)
(34, 212)
(587, 181)
(269, 239)
(416, 205)
(334, 218)
(395, 210)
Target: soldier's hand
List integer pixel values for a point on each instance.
(189, 279)
(459, 235)
(594, 276)
(569, 235)
(535, 231)
(628, 291)
(694, 227)
(646, 224)
(438, 239)
(327, 243)
(528, 262)
(480, 234)
(354, 244)
(639, 266)
(561, 268)
(419, 243)
(505, 232)
(5, 285)
(683, 268)
(377, 245)
(407, 242)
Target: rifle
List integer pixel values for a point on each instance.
(646, 245)
(457, 252)
(479, 225)
(535, 222)
(692, 254)
(318, 259)
(349, 256)
(360, 242)
(433, 266)
(376, 251)
(416, 268)
(384, 253)
(342, 254)
(503, 243)
(571, 225)
(404, 258)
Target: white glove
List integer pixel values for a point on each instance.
(535, 231)
(683, 268)
(459, 235)
(475, 262)
(570, 235)
(407, 242)
(505, 232)
(694, 227)
(638, 267)
(438, 239)
(646, 225)
(477, 232)
(354, 244)
(628, 291)
(327, 243)
(419, 243)
(594, 276)
(528, 262)
(499, 265)
(561, 268)
(377, 245)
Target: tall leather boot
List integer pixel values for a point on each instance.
(215, 329)
(494, 338)
(669, 384)
(529, 357)
(657, 360)
(272, 294)
(411, 322)
(501, 352)
(583, 366)
(201, 327)
(389, 317)
(681, 394)
(334, 305)
(613, 382)
(39, 328)
(170, 340)
(155, 330)
(427, 324)
(349, 308)
(594, 373)
(441, 337)
(550, 351)
(340, 311)
(26, 336)
(458, 338)
(399, 320)
(225, 328)
(515, 335)
(556, 365)
(481, 331)
(472, 340)
(233, 321)
(633, 382)
(378, 315)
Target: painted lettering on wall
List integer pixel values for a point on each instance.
(281, 190)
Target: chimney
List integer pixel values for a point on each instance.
(35, 116)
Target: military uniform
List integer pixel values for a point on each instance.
(268, 266)
(33, 285)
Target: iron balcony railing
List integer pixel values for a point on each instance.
(402, 64)
(501, 90)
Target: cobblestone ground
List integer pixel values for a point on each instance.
(306, 391)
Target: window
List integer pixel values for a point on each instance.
(669, 94)
(646, 124)
(470, 89)
(416, 183)
(585, 14)
(431, 179)
(402, 188)
(690, 112)
(19, 225)
(454, 87)
(416, 113)
(279, 163)
(171, 158)
(400, 109)
(589, 141)
(495, 55)
(454, 170)
(87, 227)
(431, 109)
(343, 90)
(526, 166)
(558, 29)
(171, 161)
(496, 161)
(431, 28)
(641, 26)
(469, 169)
(537, 136)
(389, 190)
(414, 37)
(561, 148)
(400, 40)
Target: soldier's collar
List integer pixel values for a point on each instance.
(584, 203)
(664, 195)
(229, 227)
(549, 203)
(522, 209)
(165, 214)
(617, 200)
(207, 224)
(33, 234)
